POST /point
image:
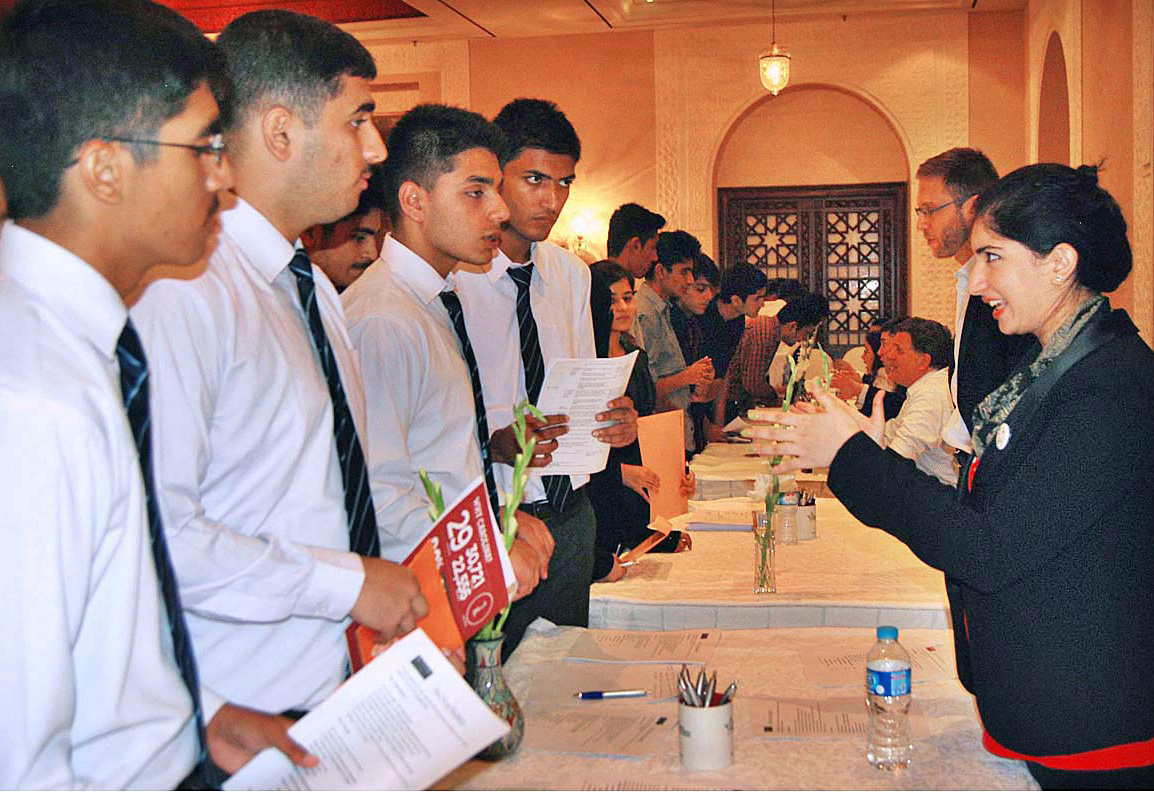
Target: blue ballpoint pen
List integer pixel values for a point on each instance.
(610, 694)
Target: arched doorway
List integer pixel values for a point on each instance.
(813, 184)
(1054, 106)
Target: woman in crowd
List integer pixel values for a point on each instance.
(620, 493)
(1048, 542)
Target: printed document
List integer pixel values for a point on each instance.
(581, 388)
(403, 721)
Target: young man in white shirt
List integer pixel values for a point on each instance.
(532, 307)
(258, 399)
(116, 172)
(918, 357)
(440, 187)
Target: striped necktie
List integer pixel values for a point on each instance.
(557, 488)
(362, 518)
(134, 391)
(452, 304)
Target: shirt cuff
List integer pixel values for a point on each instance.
(335, 583)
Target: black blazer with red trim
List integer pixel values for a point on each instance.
(1049, 560)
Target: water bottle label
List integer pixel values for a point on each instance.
(888, 683)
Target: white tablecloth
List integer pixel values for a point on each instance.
(850, 576)
(766, 663)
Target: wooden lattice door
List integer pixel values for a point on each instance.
(846, 242)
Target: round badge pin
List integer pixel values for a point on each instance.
(1002, 438)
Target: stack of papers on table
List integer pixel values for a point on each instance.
(723, 514)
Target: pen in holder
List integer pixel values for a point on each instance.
(705, 722)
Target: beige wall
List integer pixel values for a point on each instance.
(604, 83)
(813, 135)
(1107, 132)
(998, 87)
(909, 68)
(664, 114)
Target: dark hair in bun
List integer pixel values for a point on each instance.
(1041, 206)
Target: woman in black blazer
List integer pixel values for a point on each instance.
(1048, 542)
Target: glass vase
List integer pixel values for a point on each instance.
(764, 579)
(485, 674)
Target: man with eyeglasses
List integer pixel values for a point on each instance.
(259, 405)
(948, 186)
(110, 169)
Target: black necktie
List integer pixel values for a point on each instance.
(557, 488)
(134, 391)
(452, 304)
(362, 518)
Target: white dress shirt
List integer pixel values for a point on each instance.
(956, 434)
(559, 296)
(92, 696)
(420, 398)
(916, 432)
(253, 501)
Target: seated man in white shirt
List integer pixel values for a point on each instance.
(918, 357)
(530, 308)
(440, 184)
(115, 172)
(258, 398)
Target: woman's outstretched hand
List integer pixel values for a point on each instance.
(809, 435)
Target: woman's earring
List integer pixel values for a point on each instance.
(1057, 279)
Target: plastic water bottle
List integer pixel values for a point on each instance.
(888, 702)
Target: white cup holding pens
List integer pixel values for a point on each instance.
(705, 723)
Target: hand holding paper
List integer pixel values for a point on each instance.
(401, 723)
(580, 389)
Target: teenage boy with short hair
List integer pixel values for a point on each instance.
(532, 307)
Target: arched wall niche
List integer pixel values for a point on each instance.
(706, 84)
(811, 133)
(1054, 105)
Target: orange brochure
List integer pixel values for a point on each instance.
(662, 440)
(462, 567)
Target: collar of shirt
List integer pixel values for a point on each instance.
(262, 244)
(75, 291)
(414, 272)
(934, 378)
(963, 273)
(650, 299)
(502, 263)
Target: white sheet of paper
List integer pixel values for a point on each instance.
(833, 717)
(627, 646)
(601, 732)
(928, 664)
(797, 718)
(581, 388)
(555, 683)
(401, 722)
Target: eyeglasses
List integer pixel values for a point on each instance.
(927, 211)
(215, 147)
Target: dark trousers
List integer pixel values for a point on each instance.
(563, 597)
(1129, 778)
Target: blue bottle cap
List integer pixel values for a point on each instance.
(887, 633)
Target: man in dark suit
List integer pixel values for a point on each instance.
(948, 186)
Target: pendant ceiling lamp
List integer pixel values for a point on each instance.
(773, 64)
